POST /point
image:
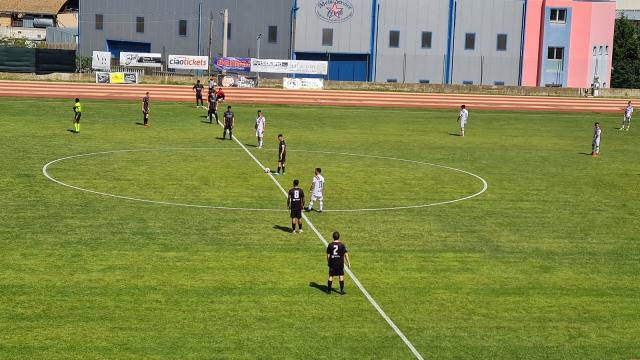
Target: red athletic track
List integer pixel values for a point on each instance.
(33, 89)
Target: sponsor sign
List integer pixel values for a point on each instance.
(302, 83)
(232, 64)
(289, 66)
(141, 59)
(334, 11)
(236, 80)
(116, 78)
(101, 60)
(188, 62)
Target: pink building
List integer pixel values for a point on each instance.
(568, 43)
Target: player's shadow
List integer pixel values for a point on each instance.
(453, 134)
(315, 285)
(251, 145)
(584, 153)
(71, 131)
(139, 123)
(206, 122)
(282, 228)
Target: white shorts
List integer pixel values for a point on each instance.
(627, 119)
(259, 133)
(596, 142)
(315, 197)
(463, 123)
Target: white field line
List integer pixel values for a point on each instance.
(349, 272)
(45, 172)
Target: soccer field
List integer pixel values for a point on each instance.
(173, 243)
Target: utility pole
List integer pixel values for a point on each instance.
(199, 24)
(210, 43)
(259, 37)
(225, 31)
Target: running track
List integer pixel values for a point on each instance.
(34, 89)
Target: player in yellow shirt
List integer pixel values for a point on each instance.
(77, 110)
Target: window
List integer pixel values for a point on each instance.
(555, 53)
(498, 83)
(606, 50)
(182, 27)
(558, 15)
(228, 31)
(140, 24)
(501, 42)
(392, 80)
(595, 50)
(273, 34)
(327, 37)
(394, 38)
(470, 41)
(426, 39)
(99, 21)
(424, 81)
(467, 82)
(601, 50)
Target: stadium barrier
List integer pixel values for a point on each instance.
(39, 61)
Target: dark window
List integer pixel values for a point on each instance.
(182, 27)
(273, 34)
(426, 39)
(327, 37)
(99, 21)
(555, 53)
(470, 41)
(140, 24)
(394, 38)
(228, 31)
(467, 82)
(424, 81)
(392, 80)
(501, 42)
(558, 15)
(498, 83)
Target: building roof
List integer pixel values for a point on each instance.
(43, 7)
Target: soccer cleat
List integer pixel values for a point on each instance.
(294, 232)
(300, 231)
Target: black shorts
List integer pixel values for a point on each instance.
(336, 270)
(198, 96)
(296, 213)
(77, 117)
(282, 159)
(213, 111)
(228, 127)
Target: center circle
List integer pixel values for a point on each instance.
(113, 194)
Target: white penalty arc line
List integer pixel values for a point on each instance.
(45, 169)
(348, 270)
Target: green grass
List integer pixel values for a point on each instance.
(542, 265)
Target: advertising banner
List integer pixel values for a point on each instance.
(188, 62)
(236, 80)
(303, 84)
(289, 66)
(116, 78)
(141, 59)
(101, 60)
(232, 64)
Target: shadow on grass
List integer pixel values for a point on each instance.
(251, 145)
(315, 285)
(139, 123)
(282, 228)
(71, 131)
(584, 153)
(452, 134)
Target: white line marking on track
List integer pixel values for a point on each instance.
(348, 270)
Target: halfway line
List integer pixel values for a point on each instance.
(349, 272)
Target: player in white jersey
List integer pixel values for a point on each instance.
(595, 145)
(317, 187)
(628, 111)
(463, 116)
(261, 126)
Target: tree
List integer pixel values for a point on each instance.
(626, 55)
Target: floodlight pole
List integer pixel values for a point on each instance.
(258, 38)
(225, 31)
